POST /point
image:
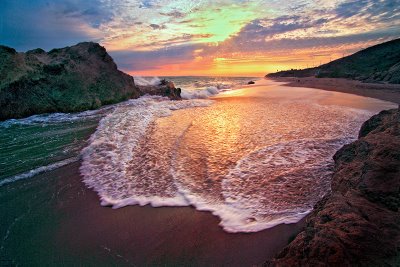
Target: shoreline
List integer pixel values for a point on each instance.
(142, 235)
(357, 223)
(165, 235)
(386, 92)
(78, 230)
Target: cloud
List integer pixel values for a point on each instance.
(147, 60)
(146, 34)
(348, 22)
(146, 4)
(27, 24)
(157, 27)
(175, 14)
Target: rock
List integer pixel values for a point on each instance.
(69, 79)
(375, 64)
(358, 223)
(251, 82)
(164, 88)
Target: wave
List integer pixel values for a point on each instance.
(55, 118)
(107, 160)
(38, 170)
(146, 81)
(198, 88)
(206, 89)
(296, 174)
(255, 191)
(129, 161)
(216, 85)
(200, 93)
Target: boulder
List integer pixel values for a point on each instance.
(69, 79)
(164, 88)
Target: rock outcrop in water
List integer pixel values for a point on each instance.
(164, 88)
(378, 63)
(358, 223)
(69, 79)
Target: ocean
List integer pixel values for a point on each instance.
(41, 143)
(253, 157)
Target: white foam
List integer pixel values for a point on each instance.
(107, 158)
(38, 170)
(147, 81)
(132, 160)
(200, 93)
(56, 117)
(154, 201)
(262, 203)
(242, 211)
(205, 89)
(216, 85)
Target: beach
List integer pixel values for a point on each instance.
(53, 218)
(170, 236)
(383, 91)
(75, 230)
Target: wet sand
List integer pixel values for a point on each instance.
(387, 92)
(136, 235)
(53, 219)
(90, 233)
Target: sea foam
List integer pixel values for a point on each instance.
(38, 170)
(107, 161)
(253, 166)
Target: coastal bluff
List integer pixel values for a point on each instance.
(376, 64)
(358, 222)
(69, 79)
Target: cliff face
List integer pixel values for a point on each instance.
(358, 223)
(379, 63)
(70, 79)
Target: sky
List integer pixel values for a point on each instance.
(210, 38)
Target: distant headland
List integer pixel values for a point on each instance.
(376, 64)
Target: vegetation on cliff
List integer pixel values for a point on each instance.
(379, 63)
(70, 79)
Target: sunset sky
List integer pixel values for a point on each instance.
(178, 37)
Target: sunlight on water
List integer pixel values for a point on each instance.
(255, 157)
(255, 161)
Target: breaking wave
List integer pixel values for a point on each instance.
(146, 81)
(142, 155)
(107, 161)
(200, 93)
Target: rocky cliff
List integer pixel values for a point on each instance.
(358, 223)
(378, 63)
(70, 79)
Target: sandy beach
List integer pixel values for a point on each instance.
(176, 133)
(153, 236)
(387, 92)
(62, 222)
(174, 235)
